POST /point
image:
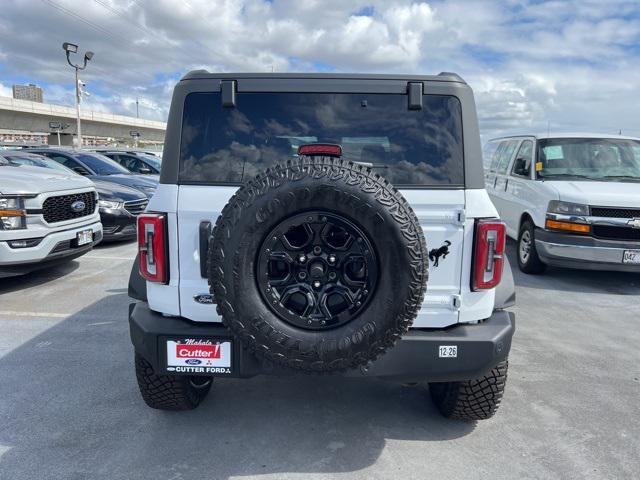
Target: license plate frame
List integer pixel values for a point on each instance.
(631, 257)
(84, 237)
(197, 355)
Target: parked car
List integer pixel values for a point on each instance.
(316, 262)
(570, 200)
(25, 157)
(118, 205)
(98, 167)
(46, 217)
(119, 209)
(136, 162)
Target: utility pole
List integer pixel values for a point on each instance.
(70, 48)
(78, 100)
(137, 116)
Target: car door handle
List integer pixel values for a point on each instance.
(506, 184)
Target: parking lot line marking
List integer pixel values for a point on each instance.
(101, 257)
(99, 323)
(11, 313)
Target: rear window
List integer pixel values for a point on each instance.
(408, 147)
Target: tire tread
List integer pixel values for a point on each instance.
(473, 399)
(167, 392)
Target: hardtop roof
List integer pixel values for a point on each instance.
(441, 77)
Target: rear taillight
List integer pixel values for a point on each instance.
(488, 257)
(152, 246)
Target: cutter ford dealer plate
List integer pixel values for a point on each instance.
(198, 356)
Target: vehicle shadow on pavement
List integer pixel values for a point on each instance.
(113, 244)
(37, 278)
(71, 409)
(571, 280)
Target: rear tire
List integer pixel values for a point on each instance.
(473, 399)
(528, 259)
(167, 392)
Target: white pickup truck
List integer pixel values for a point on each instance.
(46, 217)
(570, 200)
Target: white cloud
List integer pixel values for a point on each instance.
(572, 63)
(5, 91)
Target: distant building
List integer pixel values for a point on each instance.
(27, 92)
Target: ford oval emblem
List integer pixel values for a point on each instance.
(204, 298)
(78, 206)
(193, 361)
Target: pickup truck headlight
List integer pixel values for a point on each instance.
(12, 214)
(567, 208)
(108, 204)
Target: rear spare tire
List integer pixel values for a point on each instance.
(318, 264)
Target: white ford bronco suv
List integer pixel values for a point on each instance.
(322, 224)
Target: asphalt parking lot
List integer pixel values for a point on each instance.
(70, 408)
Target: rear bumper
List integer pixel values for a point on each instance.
(577, 251)
(117, 225)
(415, 357)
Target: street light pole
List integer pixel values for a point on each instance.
(78, 98)
(70, 48)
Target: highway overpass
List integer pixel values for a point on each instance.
(29, 116)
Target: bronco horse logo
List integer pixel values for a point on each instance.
(436, 253)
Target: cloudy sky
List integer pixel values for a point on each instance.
(573, 64)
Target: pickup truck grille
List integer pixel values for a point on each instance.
(58, 209)
(136, 207)
(616, 233)
(613, 212)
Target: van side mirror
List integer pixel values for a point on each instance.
(520, 167)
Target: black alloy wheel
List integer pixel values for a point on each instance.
(317, 270)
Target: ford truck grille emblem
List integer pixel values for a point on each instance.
(78, 206)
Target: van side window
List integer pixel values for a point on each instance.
(522, 164)
(488, 153)
(497, 155)
(505, 156)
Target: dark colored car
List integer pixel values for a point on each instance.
(98, 167)
(136, 162)
(119, 207)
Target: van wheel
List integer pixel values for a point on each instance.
(528, 259)
(473, 399)
(167, 392)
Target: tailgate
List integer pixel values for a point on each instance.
(441, 215)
